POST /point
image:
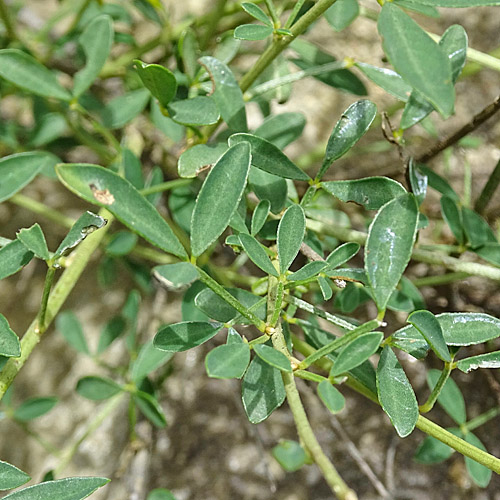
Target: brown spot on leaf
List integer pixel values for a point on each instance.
(103, 196)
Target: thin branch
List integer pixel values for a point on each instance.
(488, 190)
(470, 126)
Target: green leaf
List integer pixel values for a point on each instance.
(121, 243)
(326, 289)
(71, 488)
(199, 157)
(477, 230)
(356, 352)
(454, 45)
(176, 275)
(331, 396)
(159, 80)
(291, 231)
(257, 254)
(421, 9)
(123, 109)
(433, 451)
(151, 409)
(71, 329)
(185, 335)
(396, 394)
(96, 41)
(85, 225)
(13, 257)
(26, 72)
(342, 13)
(219, 197)
(450, 397)
(259, 216)
(480, 474)
(273, 357)
(311, 56)
(488, 360)
(417, 58)
(290, 455)
(33, 408)
(349, 274)
(269, 158)
(489, 252)
(353, 124)
(166, 125)
(9, 341)
(149, 359)
(342, 254)
(18, 170)
(262, 390)
(308, 271)
(200, 110)
(107, 189)
(160, 494)
(439, 183)
(256, 12)
(252, 32)
(282, 129)
(389, 245)
(34, 240)
(113, 329)
(217, 308)
(97, 388)
(269, 187)
(453, 217)
(228, 361)
(370, 192)
(226, 93)
(387, 79)
(11, 477)
(430, 328)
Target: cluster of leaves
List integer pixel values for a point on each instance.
(266, 207)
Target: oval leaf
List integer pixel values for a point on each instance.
(26, 72)
(308, 271)
(34, 240)
(151, 409)
(71, 488)
(480, 474)
(356, 352)
(13, 257)
(176, 275)
(450, 397)
(200, 110)
(291, 232)
(199, 157)
(342, 13)
(259, 216)
(71, 329)
(256, 12)
(342, 254)
(269, 158)
(228, 361)
(273, 357)
(107, 189)
(282, 129)
(387, 79)
(123, 109)
(290, 455)
(159, 80)
(389, 245)
(34, 407)
(417, 58)
(219, 197)
(9, 341)
(488, 360)
(353, 124)
(185, 335)
(269, 187)
(257, 254)
(149, 359)
(262, 390)
(18, 170)
(227, 94)
(97, 388)
(11, 477)
(396, 394)
(96, 41)
(430, 328)
(331, 396)
(252, 32)
(370, 192)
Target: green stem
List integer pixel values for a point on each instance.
(272, 13)
(165, 186)
(279, 44)
(313, 377)
(440, 279)
(431, 400)
(7, 21)
(339, 342)
(278, 303)
(225, 295)
(49, 279)
(295, 12)
(78, 16)
(304, 429)
(482, 419)
(79, 260)
(39, 208)
(488, 190)
(93, 426)
(471, 268)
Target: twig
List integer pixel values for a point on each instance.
(311, 254)
(488, 190)
(473, 124)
